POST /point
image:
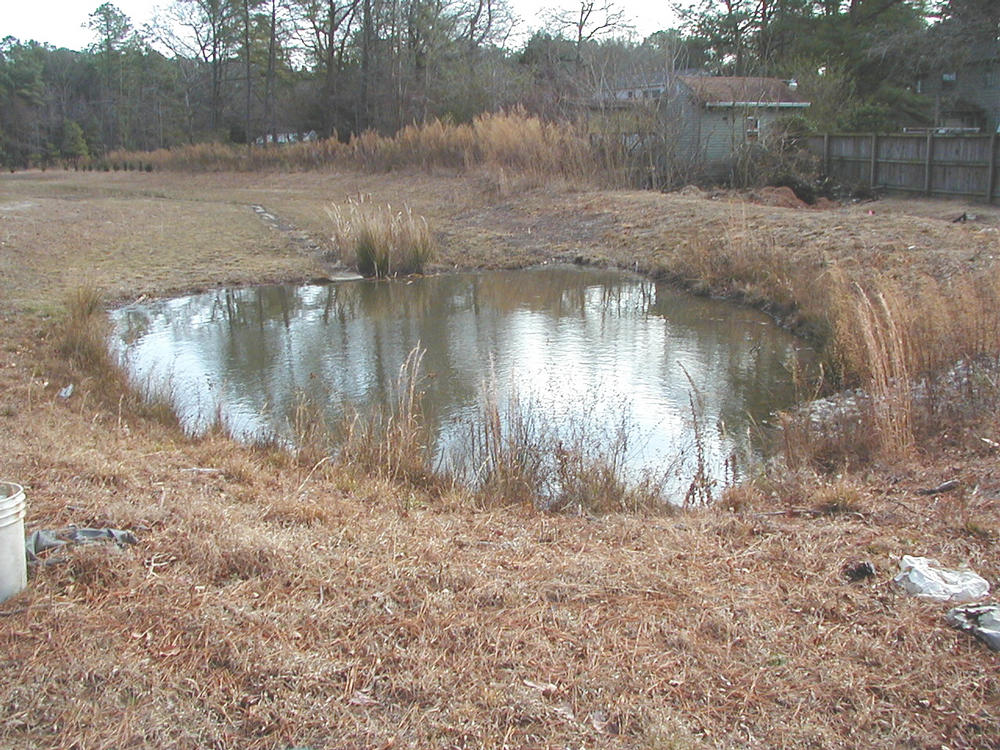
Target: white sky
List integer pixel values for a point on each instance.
(62, 23)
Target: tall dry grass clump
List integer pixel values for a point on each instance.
(923, 357)
(517, 453)
(82, 332)
(506, 459)
(881, 344)
(518, 142)
(381, 242)
(311, 435)
(82, 339)
(393, 443)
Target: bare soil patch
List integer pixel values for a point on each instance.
(272, 604)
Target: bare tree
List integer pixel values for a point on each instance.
(204, 30)
(324, 28)
(588, 21)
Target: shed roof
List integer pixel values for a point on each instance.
(721, 90)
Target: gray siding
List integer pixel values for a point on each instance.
(978, 84)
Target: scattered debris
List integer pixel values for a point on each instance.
(859, 570)
(948, 486)
(565, 711)
(982, 620)
(361, 698)
(603, 724)
(65, 393)
(924, 577)
(547, 689)
(43, 540)
(961, 218)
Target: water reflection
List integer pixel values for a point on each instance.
(569, 340)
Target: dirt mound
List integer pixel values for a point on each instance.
(782, 197)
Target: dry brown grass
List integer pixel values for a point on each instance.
(271, 602)
(83, 332)
(514, 141)
(897, 335)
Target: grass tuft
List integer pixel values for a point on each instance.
(83, 330)
(392, 444)
(518, 454)
(383, 243)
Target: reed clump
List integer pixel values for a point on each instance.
(506, 452)
(517, 453)
(381, 242)
(311, 433)
(392, 443)
(83, 330)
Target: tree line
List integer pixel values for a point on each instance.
(250, 71)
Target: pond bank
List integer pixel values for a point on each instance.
(269, 603)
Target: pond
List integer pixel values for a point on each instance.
(677, 380)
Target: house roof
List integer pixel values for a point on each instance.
(730, 90)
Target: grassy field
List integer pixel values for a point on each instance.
(276, 602)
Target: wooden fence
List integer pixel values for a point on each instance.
(928, 164)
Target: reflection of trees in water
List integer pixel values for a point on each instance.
(737, 357)
(342, 344)
(560, 291)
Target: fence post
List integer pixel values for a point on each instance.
(874, 165)
(991, 181)
(928, 161)
(826, 154)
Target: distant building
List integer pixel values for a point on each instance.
(967, 94)
(283, 137)
(698, 121)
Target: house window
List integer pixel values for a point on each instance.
(753, 128)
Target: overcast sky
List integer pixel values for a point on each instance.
(62, 22)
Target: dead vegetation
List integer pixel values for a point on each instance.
(514, 141)
(276, 600)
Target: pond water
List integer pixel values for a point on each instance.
(599, 351)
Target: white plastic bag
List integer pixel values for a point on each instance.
(926, 578)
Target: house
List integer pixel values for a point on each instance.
(967, 94)
(697, 121)
(286, 136)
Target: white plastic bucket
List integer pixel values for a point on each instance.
(13, 570)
